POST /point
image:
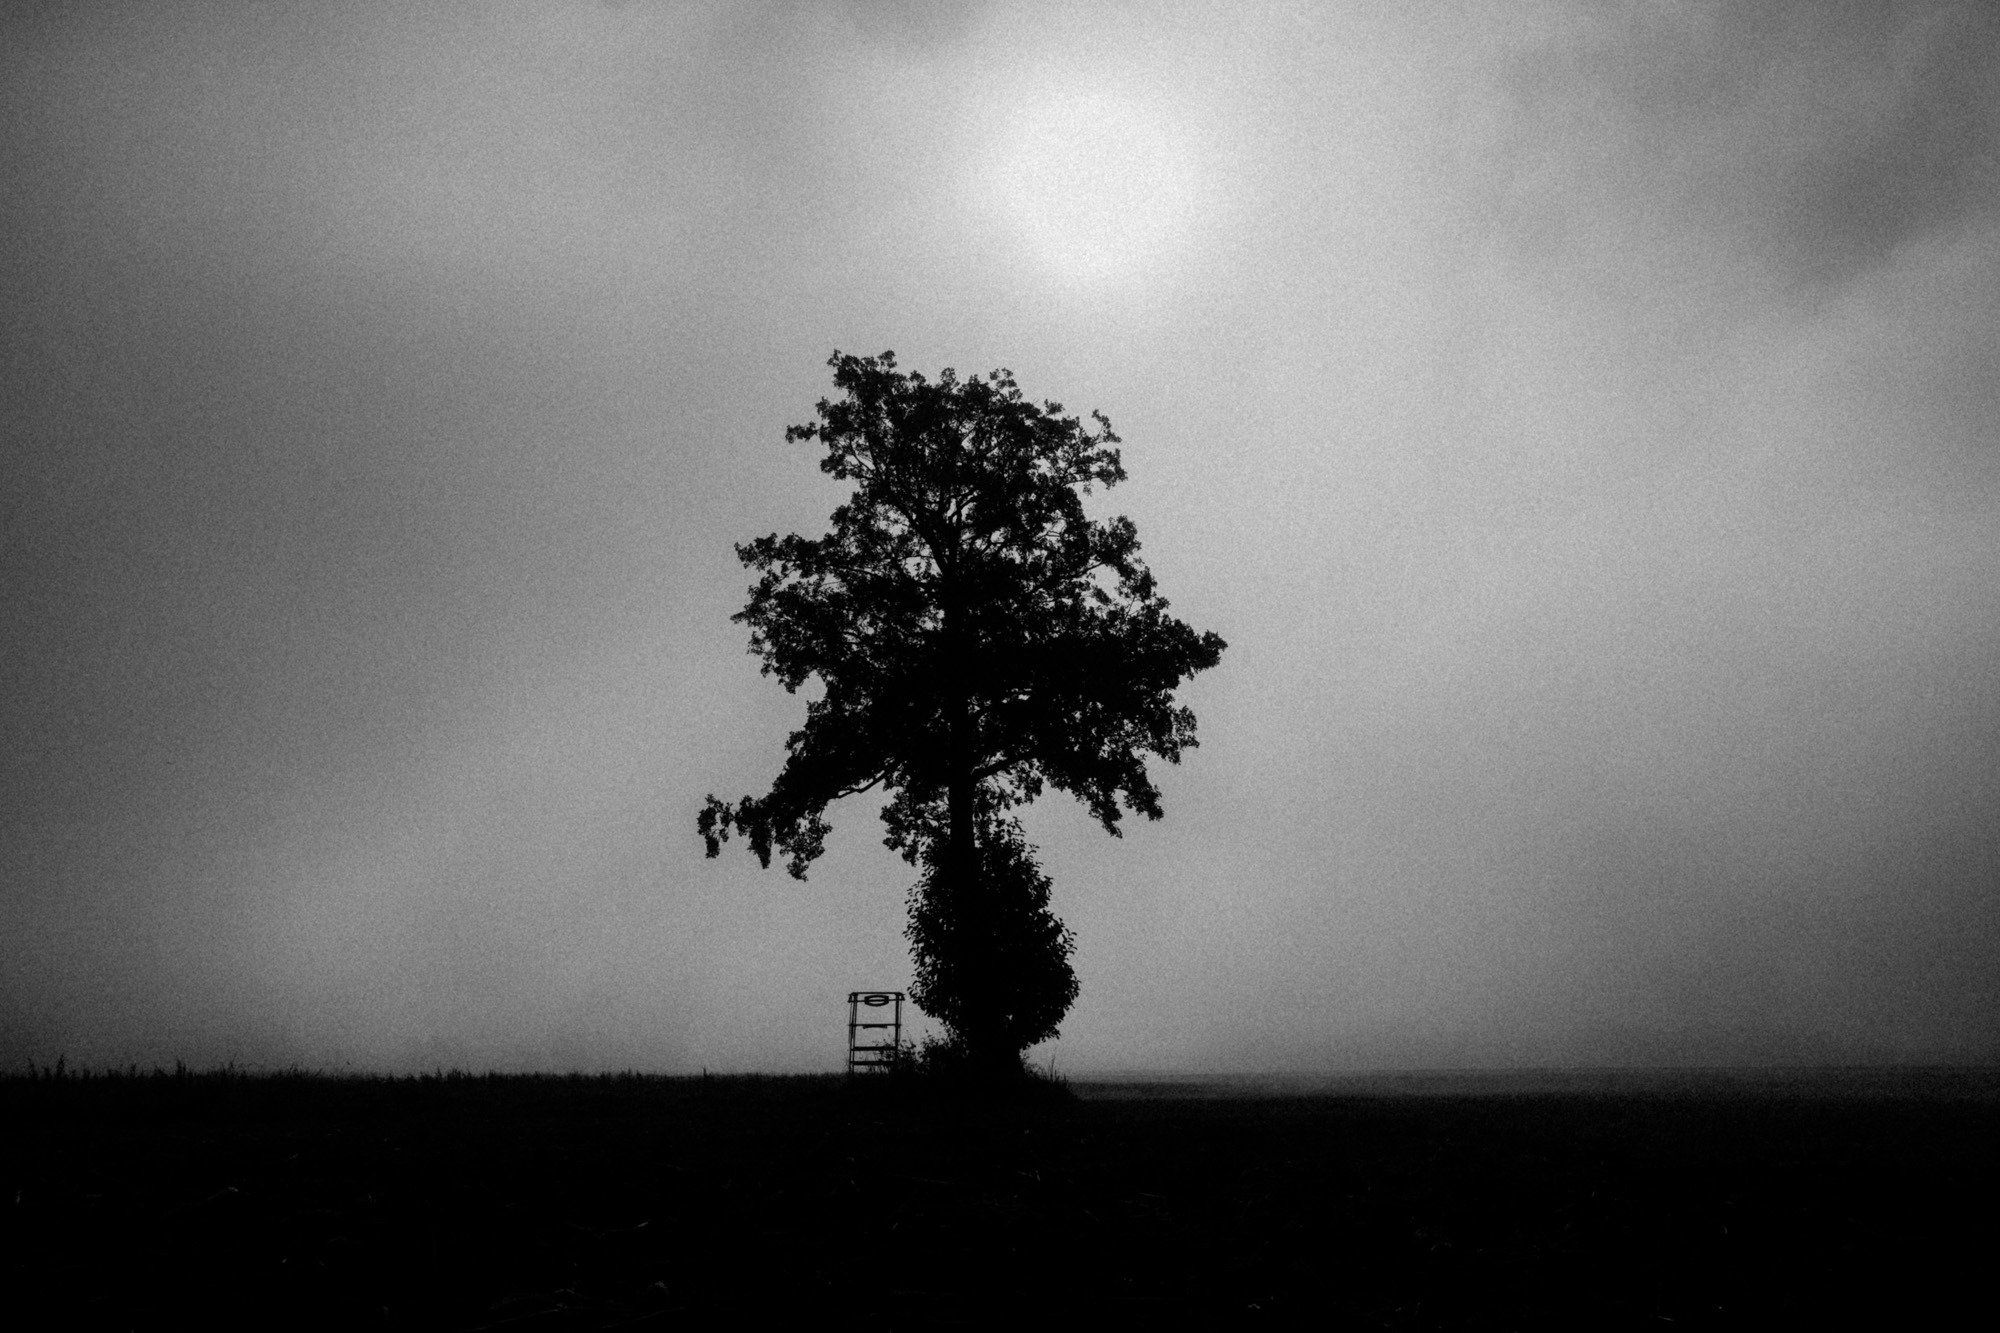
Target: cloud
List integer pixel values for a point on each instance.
(1581, 422)
(1791, 147)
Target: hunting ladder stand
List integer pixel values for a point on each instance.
(865, 1049)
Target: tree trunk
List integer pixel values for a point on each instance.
(988, 1048)
(985, 1031)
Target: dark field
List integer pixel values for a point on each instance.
(1415, 1202)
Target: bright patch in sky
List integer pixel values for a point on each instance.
(1099, 185)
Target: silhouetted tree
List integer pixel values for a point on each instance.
(978, 637)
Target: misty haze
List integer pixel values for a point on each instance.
(1541, 656)
(1580, 422)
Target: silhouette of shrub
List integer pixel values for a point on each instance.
(999, 962)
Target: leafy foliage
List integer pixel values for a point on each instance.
(1025, 946)
(978, 638)
(961, 588)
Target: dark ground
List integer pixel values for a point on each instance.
(1605, 1201)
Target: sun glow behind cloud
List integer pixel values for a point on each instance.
(1099, 185)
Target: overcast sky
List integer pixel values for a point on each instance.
(1582, 420)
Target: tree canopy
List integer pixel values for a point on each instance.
(978, 637)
